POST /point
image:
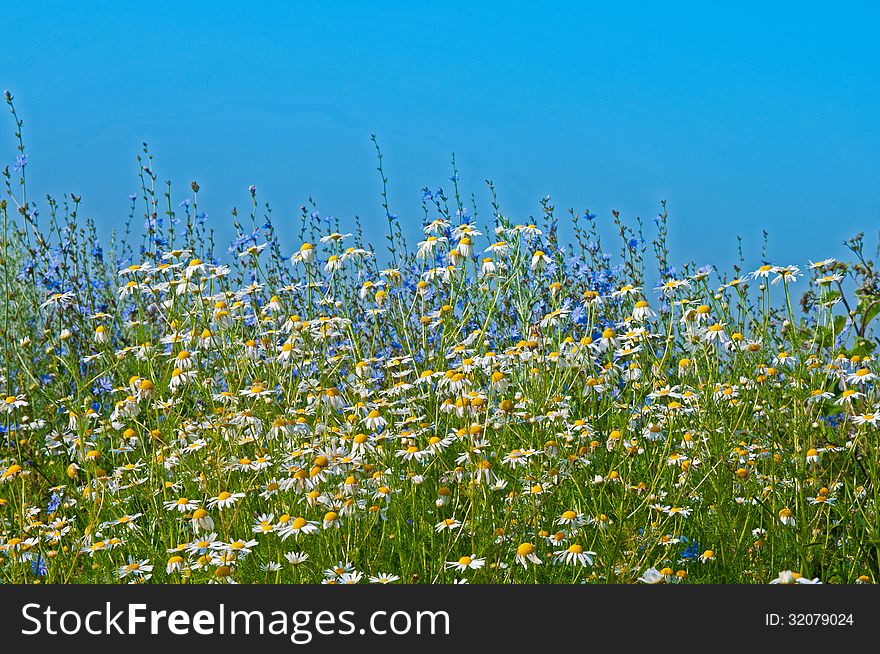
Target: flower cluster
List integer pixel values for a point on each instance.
(492, 408)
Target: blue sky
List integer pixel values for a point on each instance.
(743, 118)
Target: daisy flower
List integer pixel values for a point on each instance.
(652, 576)
(224, 500)
(13, 402)
(574, 555)
(525, 554)
(296, 558)
(305, 254)
(448, 524)
(540, 260)
(571, 518)
(297, 527)
(183, 505)
(471, 562)
(135, 568)
(201, 521)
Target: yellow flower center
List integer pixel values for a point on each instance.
(525, 549)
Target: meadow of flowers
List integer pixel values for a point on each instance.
(489, 405)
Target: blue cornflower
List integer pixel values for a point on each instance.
(39, 567)
(833, 420)
(26, 270)
(102, 385)
(578, 315)
(242, 240)
(692, 551)
(54, 503)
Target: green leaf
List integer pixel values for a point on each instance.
(823, 337)
(872, 312)
(862, 347)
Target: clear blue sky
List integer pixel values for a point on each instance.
(743, 118)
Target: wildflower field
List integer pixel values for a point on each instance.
(489, 405)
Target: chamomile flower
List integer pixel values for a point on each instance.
(574, 555)
(788, 274)
(468, 562)
(763, 272)
(331, 520)
(203, 545)
(296, 558)
(540, 260)
(527, 553)
(175, 564)
(182, 504)
(449, 524)
(789, 577)
(870, 418)
(140, 569)
(264, 524)
(786, 517)
(374, 421)
(861, 376)
(642, 311)
(240, 547)
(12, 402)
(297, 527)
(305, 254)
(653, 576)
(571, 518)
(224, 500)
